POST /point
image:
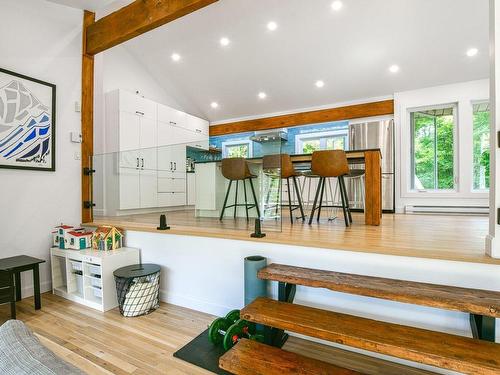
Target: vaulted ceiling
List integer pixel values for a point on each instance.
(351, 50)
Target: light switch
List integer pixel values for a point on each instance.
(78, 106)
(76, 137)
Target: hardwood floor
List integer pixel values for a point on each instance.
(107, 343)
(456, 238)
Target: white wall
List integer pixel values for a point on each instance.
(463, 94)
(207, 274)
(47, 47)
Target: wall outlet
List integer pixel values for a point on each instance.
(78, 155)
(78, 106)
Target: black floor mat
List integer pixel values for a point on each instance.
(200, 352)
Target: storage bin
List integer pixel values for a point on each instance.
(75, 265)
(97, 292)
(96, 282)
(94, 269)
(79, 284)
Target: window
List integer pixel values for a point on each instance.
(481, 146)
(433, 148)
(332, 140)
(237, 149)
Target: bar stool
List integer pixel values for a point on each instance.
(357, 176)
(236, 169)
(328, 164)
(281, 167)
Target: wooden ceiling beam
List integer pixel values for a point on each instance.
(381, 108)
(135, 19)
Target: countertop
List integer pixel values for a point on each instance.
(292, 155)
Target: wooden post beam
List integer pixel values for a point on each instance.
(87, 114)
(373, 109)
(135, 19)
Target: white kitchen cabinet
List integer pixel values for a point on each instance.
(197, 125)
(150, 141)
(131, 133)
(191, 189)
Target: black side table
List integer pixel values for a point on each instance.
(138, 289)
(16, 265)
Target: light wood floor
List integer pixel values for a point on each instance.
(457, 238)
(107, 343)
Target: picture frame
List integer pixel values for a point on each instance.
(27, 122)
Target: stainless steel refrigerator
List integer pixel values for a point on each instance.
(369, 135)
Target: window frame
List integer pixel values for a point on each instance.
(240, 142)
(473, 103)
(301, 138)
(456, 150)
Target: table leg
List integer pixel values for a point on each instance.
(373, 188)
(17, 280)
(36, 286)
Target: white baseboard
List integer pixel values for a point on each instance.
(194, 304)
(28, 291)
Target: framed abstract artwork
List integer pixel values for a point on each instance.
(27, 122)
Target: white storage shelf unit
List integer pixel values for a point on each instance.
(151, 140)
(86, 276)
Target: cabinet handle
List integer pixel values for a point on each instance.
(171, 166)
(198, 130)
(173, 123)
(139, 113)
(175, 166)
(137, 163)
(142, 163)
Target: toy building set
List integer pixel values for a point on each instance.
(103, 238)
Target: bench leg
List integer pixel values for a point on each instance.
(36, 287)
(17, 279)
(482, 327)
(277, 337)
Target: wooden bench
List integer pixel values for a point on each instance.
(252, 358)
(443, 350)
(482, 305)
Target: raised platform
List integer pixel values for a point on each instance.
(455, 238)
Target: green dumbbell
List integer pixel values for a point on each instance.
(241, 329)
(219, 326)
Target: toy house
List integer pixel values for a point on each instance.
(78, 240)
(59, 235)
(107, 238)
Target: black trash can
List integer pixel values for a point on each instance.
(138, 289)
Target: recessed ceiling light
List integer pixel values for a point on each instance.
(224, 41)
(176, 57)
(262, 95)
(394, 68)
(272, 26)
(471, 52)
(214, 105)
(337, 5)
(320, 84)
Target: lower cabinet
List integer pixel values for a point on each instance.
(86, 276)
(191, 189)
(172, 199)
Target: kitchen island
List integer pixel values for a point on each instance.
(210, 195)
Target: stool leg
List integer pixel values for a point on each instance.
(323, 182)
(225, 199)
(346, 199)
(363, 191)
(299, 199)
(246, 200)
(342, 196)
(236, 199)
(315, 201)
(289, 199)
(255, 198)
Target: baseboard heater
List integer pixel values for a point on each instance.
(456, 210)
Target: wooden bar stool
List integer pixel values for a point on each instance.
(236, 169)
(328, 164)
(281, 166)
